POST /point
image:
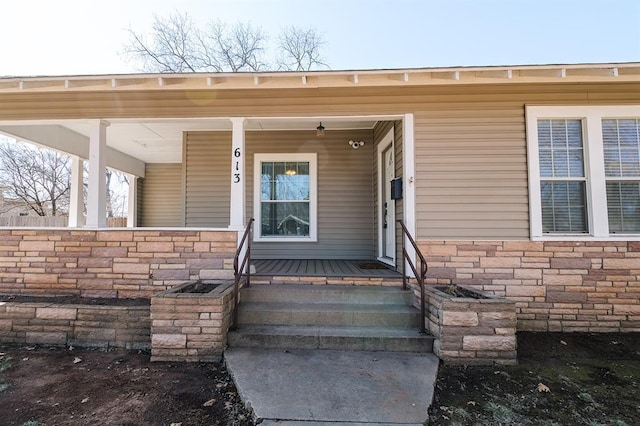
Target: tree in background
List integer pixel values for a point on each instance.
(117, 194)
(39, 177)
(299, 50)
(176, 44)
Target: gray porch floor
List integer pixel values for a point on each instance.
(323, 268)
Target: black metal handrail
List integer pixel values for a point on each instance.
(239, 270)
(420, 277)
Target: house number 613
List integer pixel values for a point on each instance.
(236, 176)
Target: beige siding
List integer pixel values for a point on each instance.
(345, 197)
(207, 171)
(471, 173)
(161, 199)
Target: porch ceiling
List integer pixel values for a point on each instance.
(160, 140)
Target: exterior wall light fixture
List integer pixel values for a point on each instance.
(356, 144)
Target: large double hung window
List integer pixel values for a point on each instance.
(584, 171)
(285, 197)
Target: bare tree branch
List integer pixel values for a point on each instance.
(300, 50)
(178, 45)
(173, 47)
(38, 177)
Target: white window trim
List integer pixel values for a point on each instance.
(591, 116)
(312, 159)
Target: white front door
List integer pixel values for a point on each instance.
(388, 206)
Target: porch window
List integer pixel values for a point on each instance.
(584, 171)
(285, 197)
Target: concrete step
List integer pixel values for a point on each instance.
(338, 338)
(329, 314)
(326, 294)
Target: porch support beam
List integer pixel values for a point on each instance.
(76, 199)
(97, 192)
(237, 217)
(409, 181)
(63, 139)
(132, 211)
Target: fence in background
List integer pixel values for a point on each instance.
(53, 221)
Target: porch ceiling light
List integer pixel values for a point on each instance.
(320, 130)
(356, 144)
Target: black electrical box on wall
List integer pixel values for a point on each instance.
(396, 189)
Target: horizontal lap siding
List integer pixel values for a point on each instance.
(472, 172)
(161, 195)
(208, 179)
(471, 166)
(345, 197)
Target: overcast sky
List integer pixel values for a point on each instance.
(72, 37)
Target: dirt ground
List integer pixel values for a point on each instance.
(58, 386)
(591, 380)
(560, 379)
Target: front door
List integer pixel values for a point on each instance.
(388, 206)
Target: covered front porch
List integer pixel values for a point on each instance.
(323, 268)
(314, 196)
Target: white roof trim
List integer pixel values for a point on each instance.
(624, 72)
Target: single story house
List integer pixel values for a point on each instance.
(523, 181)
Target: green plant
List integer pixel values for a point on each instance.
(586, 397)
(31, 423)
(502, 414)
(618, 422)
(4, 385)
(461, 414)
(5, 363)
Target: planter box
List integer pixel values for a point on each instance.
(471, 327)
(88, 325)
(190, 322)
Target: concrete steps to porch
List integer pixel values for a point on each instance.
(329, 317)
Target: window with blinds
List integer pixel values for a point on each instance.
(621, 143)
(562, 176)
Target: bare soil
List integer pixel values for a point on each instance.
(560, 379)
(59, 386)
(592, 379)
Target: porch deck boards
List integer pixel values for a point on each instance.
(321, 268)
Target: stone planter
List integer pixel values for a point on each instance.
(50, 321)
(190, 322)
(471, 327)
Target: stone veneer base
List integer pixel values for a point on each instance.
(563, 286)
(77, 325)
(470, 330)
(190, 326)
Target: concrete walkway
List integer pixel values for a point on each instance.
(296, 387)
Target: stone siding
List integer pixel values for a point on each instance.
(190, 326)
(582, 286)
(78, 325)
(110, 263)
(472, 331)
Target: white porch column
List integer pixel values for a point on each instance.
(132, 210)
(97, 192)
(409, 182)
(237, 216)
(76, 201)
